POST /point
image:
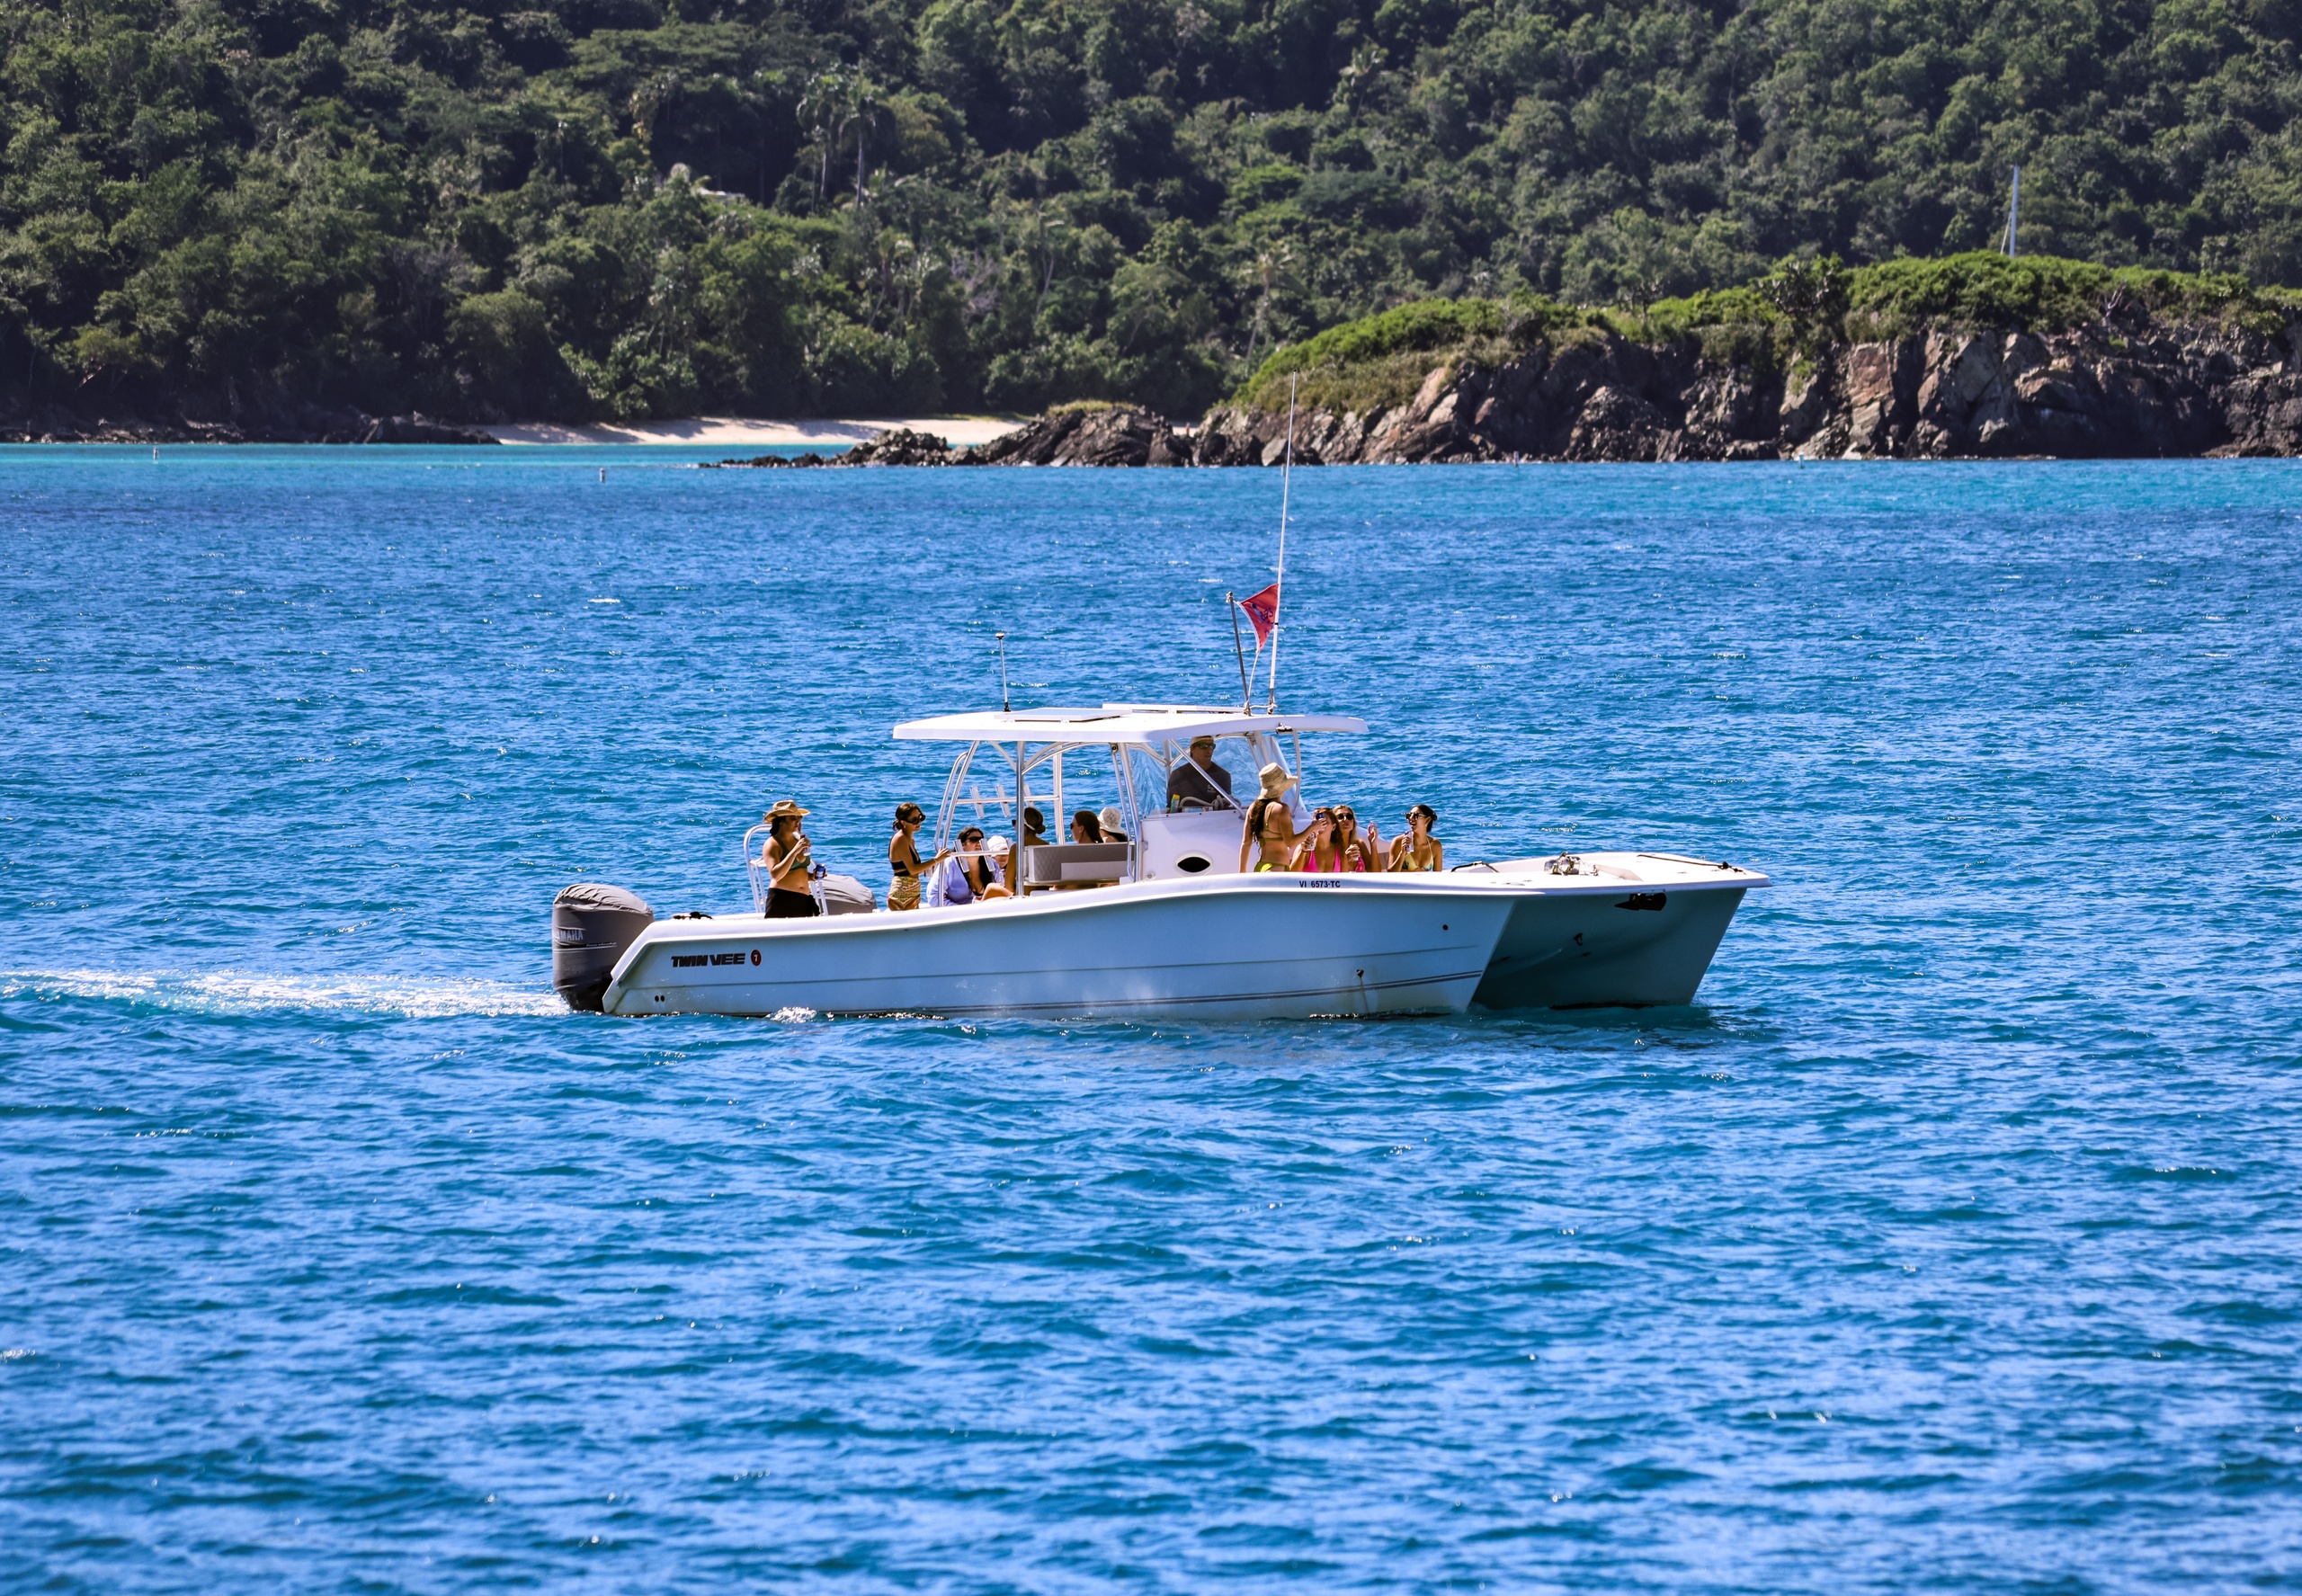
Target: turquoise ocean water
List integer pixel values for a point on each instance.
(1952, 1243)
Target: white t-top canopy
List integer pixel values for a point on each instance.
(1112, 723)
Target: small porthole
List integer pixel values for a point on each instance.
(1191, 864)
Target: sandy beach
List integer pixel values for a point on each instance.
(738, 433)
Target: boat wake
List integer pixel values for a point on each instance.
(243, 991)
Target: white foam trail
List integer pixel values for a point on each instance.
(241, 992)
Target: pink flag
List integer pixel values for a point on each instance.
(1262, 612)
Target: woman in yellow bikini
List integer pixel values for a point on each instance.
(903, 857)
(1269, 833)
(1419, 849)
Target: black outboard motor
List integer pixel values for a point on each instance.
(591, 926)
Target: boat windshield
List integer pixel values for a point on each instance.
(1167, 779)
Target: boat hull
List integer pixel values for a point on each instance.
(1235, 947)
(1588, 949)
(1631, 930)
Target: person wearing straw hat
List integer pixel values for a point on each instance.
(1270, 832)
(786, 856)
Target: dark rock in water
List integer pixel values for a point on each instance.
(900, 448)
(419, 428)
(1116, 436)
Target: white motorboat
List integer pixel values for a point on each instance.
(1166, 922)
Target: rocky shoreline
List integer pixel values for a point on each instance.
(2097, 393)
(2126, 387)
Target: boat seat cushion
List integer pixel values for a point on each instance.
(1060, 864)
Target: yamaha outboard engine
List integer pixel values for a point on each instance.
(591, 926)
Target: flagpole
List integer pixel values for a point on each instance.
(1286, 471)
(1246, 688)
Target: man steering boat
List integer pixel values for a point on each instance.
(1199, 782)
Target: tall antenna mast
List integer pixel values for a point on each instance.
(2013, 212)
(1001, 638)
(1286, 473)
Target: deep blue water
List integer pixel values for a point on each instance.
(1953, 1243)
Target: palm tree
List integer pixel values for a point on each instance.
(1270, 266)
(820, 103)
(865, 104)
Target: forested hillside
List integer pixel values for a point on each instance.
(630, 207)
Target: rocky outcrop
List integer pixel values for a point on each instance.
(1112, 436)
(900, 448)
(2119, 389)
(1116, 436)
(419, 428)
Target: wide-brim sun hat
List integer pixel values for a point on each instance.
(1111, 819)
(785, 809)
(1276, 778)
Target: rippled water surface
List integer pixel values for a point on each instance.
(1950, 1243)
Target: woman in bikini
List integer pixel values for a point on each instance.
(1321, 850)
(791, 895)
(1269, 834)
(1419, 849)
(1360, 852)
(903, 857)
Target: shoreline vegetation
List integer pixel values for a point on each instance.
(414, 220)
(1973, 356)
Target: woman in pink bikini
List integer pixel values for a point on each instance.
(1321, 850)
(1359, 853)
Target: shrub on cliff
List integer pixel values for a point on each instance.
(1791, 313)
(1381, 359)
(1985, 289)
